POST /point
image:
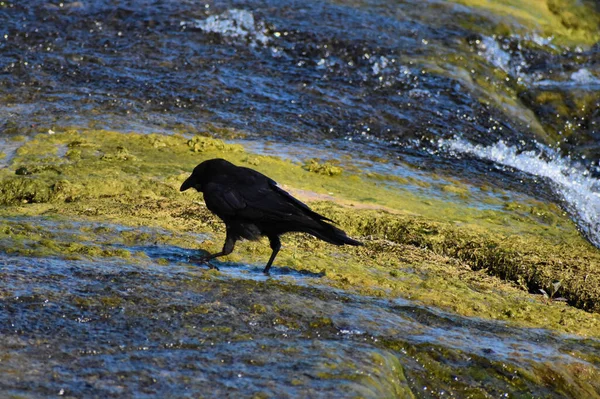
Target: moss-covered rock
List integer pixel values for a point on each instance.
(325, 168)
(448, 254)
(571, 22)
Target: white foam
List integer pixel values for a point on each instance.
(491, 51)
(584, 76)
(235, 23)
(511, 63)
(540, 40)
(581, 79)
(379, 64)
(573, 183)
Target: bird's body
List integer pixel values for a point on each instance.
(252, 205)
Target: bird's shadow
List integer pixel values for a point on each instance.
(284, 270)
(174, 254)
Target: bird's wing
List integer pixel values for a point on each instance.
(299, 204)
(258, 178)
(255, 199)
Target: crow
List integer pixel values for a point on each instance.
(252, 205)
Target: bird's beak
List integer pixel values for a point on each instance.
(186, 184)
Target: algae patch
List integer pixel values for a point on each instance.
(440, 253)
(571, 22)
(112, 238)
(325, 168)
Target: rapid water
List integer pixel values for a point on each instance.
(415, 82)
(579, 191)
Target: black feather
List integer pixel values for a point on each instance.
(252, 205)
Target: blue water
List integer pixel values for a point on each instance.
(352, 80)
(392, 77)
(137, 327)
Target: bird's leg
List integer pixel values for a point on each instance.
(275, 246)
(227, 249)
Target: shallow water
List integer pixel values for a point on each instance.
(428, 92)
(108, 327)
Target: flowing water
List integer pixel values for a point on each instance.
(427, 85)
(149, 328)
(403, 77)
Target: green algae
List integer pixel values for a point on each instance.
(208, 144)
(475, 375)
(471, 261)
(121, 154)
(571, 22)
(492, 86)
(459, 190)
(381, 377)
(17, 239)
(564, 114)
(14, 190)
(390, 178)
(325, 168)
(577, 16)
(527, 261)
(551, 114)
(392, 383)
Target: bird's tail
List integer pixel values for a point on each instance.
(332, 234)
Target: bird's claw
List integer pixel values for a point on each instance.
(202, 261)
(211, 266)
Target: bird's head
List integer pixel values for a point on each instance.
(196, 178)
(203, 173)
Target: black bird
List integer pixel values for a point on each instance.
(252, 205)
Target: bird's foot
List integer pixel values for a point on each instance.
(202, 261)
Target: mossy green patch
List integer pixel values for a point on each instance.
(14, 190)
(325, 168)
(474, 262)
(571, 22)
(459, 190)
(208, 144)
(563, 114)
